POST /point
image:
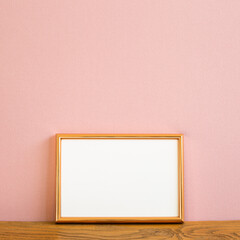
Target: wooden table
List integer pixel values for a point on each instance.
(188, 230)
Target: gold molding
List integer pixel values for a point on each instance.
(178, 219)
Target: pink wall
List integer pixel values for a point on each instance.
(137, 66)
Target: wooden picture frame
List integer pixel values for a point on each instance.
(119, 178)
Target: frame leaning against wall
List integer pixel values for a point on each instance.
(133, 219)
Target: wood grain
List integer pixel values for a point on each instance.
(188, 230)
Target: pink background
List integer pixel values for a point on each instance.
(137, 66)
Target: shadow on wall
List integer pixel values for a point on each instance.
(50, 197)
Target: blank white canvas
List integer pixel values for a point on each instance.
(119, 178)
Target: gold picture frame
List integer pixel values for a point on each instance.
(162, 219)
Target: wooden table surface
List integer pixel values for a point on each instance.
(188, 230)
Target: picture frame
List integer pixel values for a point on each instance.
(119, 178)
